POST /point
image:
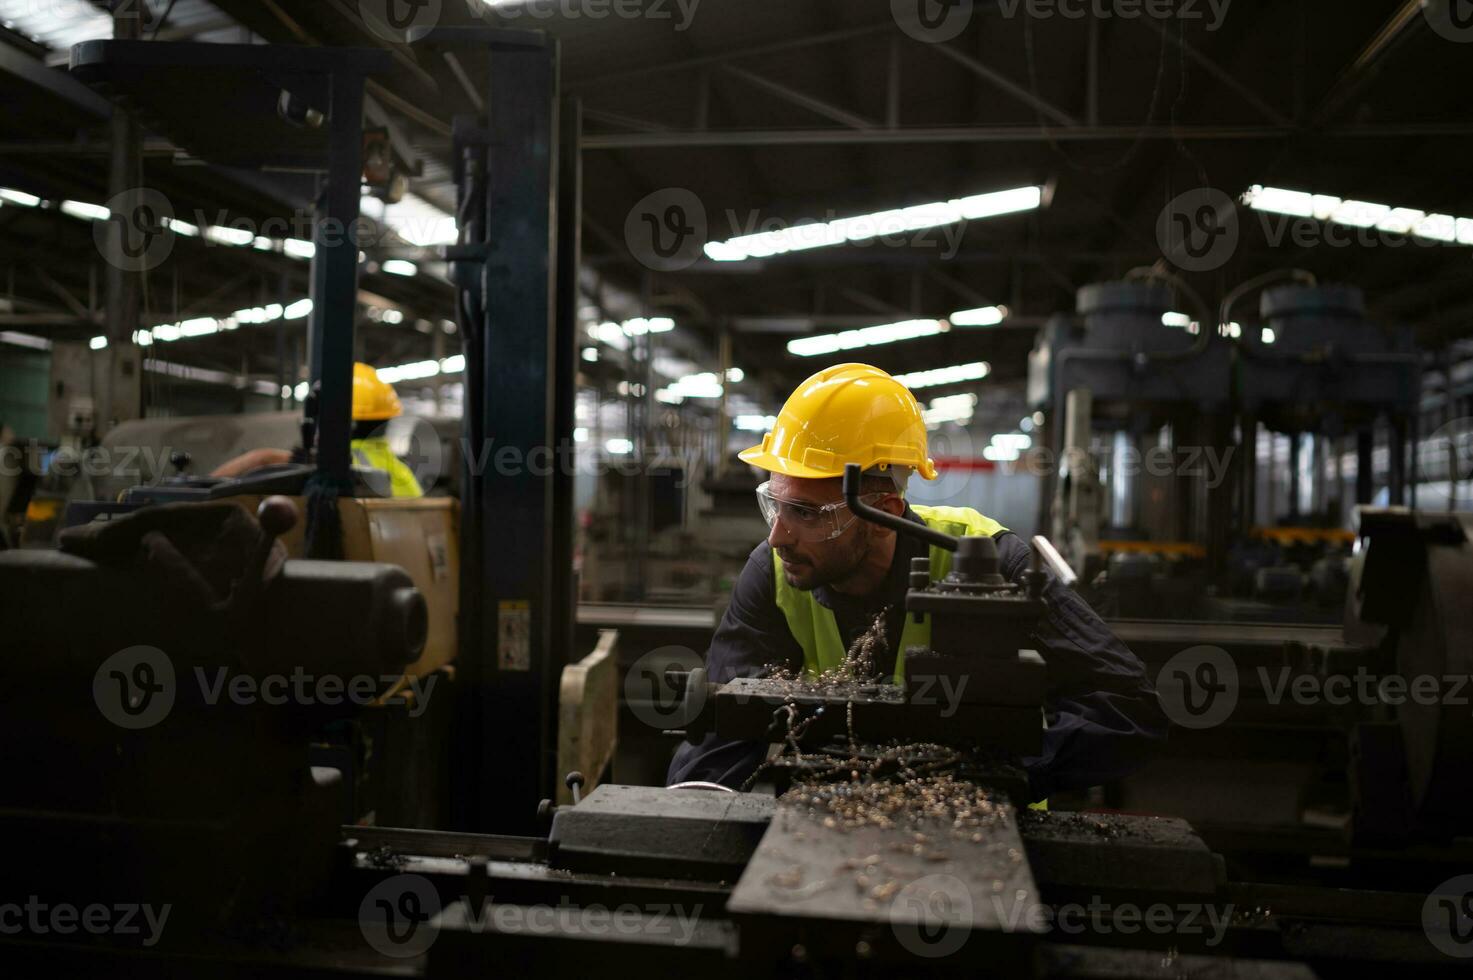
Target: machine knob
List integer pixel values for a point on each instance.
(574, 781)
(277, 515)
(179, 459)
(920, 573)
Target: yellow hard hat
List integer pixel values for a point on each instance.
(849, 413)
(373, 398)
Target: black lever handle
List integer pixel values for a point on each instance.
(852, 476)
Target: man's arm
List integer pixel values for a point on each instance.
(753, 635)
(1104, 717)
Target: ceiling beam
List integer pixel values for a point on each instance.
(999, 134)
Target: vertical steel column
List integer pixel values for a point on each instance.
(1365, 460)
(1396, 456)
(563, 602)
(122, 391)
(334, 288)
(519, 667)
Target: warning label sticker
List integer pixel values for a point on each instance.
(514, 634)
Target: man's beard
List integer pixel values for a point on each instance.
(840, 563)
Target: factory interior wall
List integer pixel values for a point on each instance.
(24, 375)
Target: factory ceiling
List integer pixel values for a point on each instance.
(773, 113)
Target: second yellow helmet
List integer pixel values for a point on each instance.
(374, 399)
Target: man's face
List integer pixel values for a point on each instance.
(809, 564)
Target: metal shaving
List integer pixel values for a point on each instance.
(856, 670)
(920, 803)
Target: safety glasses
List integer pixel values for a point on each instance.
(808, 522)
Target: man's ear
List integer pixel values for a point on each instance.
(894, 504)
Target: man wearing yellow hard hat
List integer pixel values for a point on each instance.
(823, 576)
(374, 403)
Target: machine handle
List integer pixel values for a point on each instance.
(874, 515)
(1045, 549)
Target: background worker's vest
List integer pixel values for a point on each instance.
(375, 454)
(812, 623)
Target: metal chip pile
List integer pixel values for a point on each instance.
(919, 803)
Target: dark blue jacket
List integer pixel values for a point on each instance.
(1104, 719)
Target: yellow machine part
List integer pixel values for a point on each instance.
(419, 534)
(1171, 549)
(1305, 535)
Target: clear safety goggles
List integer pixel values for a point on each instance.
(808, 522)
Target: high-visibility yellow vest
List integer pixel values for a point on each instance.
(812, 623)
(375, 454)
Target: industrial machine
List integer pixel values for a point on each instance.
(1169, 494)
(886, 840)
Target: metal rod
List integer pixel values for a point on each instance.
(852, 477)
(1045, 549)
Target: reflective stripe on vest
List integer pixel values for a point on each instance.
(813, 625)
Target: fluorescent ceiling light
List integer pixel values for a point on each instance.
(954, 374)
(299, 309)
(58, 24)
(85, 211)
(1012, 440)
(24, 340)
(97, 343)
(702, 385)
(226, 235)
(409, 372)
(417, 221)
(19, 197)
(1175, 320)
(298, 248)
(619, 447)
(950, 408)
(981, 316)
(1361, 214)
(864, 227)
(885, 333)
(454, 364)
(755, 423)
(400, 267)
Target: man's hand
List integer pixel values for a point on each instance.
(254, 460)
